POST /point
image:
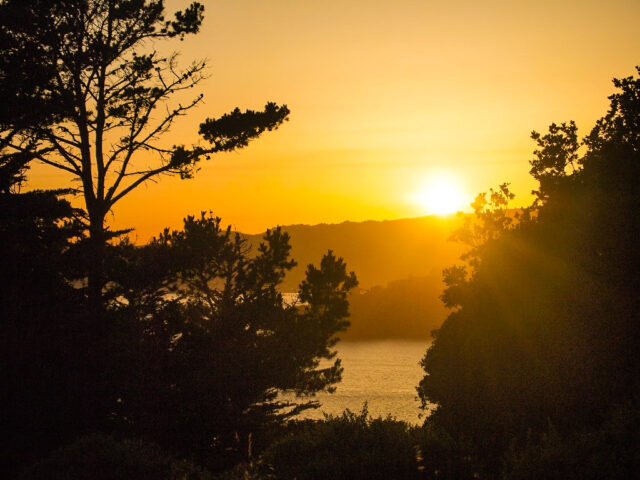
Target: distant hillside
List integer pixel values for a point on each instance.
(379, 252)
(407, 309)
(399, 265)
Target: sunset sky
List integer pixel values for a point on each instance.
(388, 98)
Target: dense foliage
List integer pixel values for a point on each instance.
(42, 343)
(609, 451)
(214, 341)
(198, 346)
(105, 457)
(350, 445)
(42, 340)
(544, 320)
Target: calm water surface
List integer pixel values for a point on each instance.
(385, 374)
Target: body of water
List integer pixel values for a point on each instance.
(385, 374)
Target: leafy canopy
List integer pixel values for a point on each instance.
(216, 341)
(544, 320)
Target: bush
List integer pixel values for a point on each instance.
(442, 457)
(611, 451)
(350, 446)
(105, 458)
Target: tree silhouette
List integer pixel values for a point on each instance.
(44, 352)
(212, 342)
(544, 326)
(99, 95)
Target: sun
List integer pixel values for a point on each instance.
(442, 195)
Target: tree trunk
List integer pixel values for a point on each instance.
(95, 265)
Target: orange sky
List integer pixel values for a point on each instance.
(384, 95)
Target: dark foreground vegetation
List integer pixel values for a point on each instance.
(165, 361)
(538, 359)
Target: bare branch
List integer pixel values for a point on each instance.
(41, 157)
(134, 145)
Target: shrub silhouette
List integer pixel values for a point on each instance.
(350, 445)
(103, 457)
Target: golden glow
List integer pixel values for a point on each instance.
(382, 94)
(442, 195)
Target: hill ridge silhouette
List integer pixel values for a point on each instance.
(379, 251)
(399, 266)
